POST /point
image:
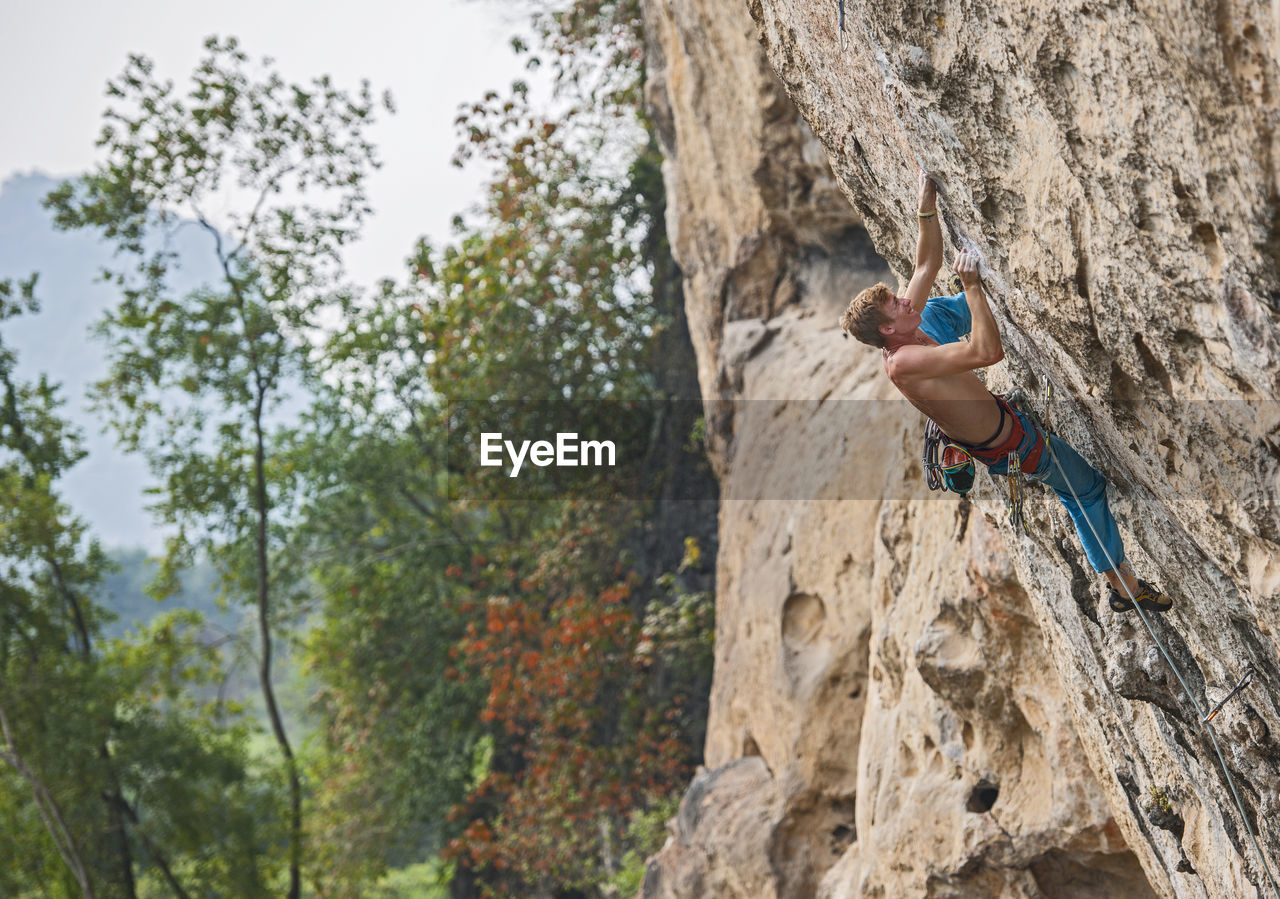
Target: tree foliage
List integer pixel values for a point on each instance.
(195, 379)
(509, 685)
(589, 731)
(398, 737)
(118, 773)
(579, 681)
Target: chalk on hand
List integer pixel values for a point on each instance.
(984, 271)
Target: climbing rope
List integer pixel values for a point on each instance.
(1205, 719)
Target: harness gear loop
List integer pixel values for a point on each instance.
(932, 439)
(1244, 682)
(951, 468)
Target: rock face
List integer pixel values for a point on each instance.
(910, 699)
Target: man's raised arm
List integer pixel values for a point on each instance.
(928, 247)
(984, 347)
(985, 336)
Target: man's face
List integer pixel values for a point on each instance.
(899, 317)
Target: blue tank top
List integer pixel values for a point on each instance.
(946, 319)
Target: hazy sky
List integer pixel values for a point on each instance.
(431, 54)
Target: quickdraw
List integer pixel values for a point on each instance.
(1048, 399)
(1244, 682)
(1020, 400)
(1015, 493)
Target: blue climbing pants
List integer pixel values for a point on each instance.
(1089, 485)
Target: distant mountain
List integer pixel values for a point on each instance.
(106, 489)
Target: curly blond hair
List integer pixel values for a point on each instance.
(865, 315)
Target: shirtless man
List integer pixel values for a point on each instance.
(931, 366)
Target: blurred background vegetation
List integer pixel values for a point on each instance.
(339, 679)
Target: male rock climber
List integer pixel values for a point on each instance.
(931, 366)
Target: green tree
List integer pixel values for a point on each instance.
(563, 683)
(44, 567)
(197, 382)
(119, 770)
(398, 737)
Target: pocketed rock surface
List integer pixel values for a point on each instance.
(910, 698)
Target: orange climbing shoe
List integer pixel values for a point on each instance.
(1148, 596)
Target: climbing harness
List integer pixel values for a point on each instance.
(1244, 682)
(955, 470)
(949, 465)
(1205, 719)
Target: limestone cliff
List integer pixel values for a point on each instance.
(910, 699)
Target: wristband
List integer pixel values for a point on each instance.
(927, 215)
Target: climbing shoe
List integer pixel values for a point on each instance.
(1148, 596)
(955, 284)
